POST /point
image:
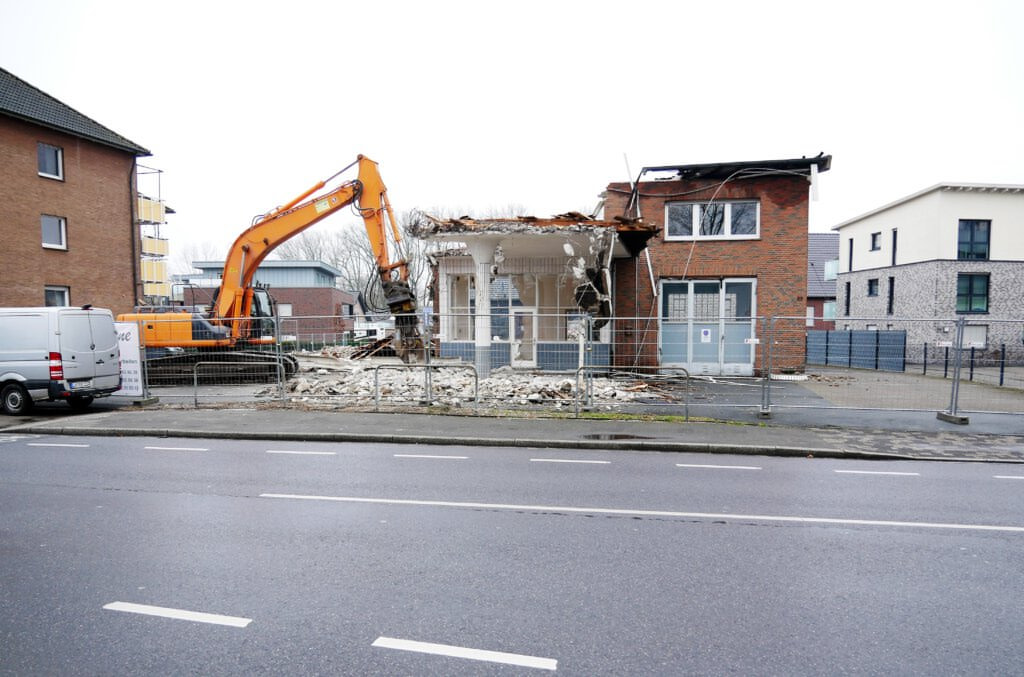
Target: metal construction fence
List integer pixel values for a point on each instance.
(680, 364)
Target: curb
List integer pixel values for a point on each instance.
(604, 445)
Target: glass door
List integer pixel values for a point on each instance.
(524, 337)
(706, 326)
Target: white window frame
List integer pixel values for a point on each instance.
(63, 223)
(696, 217)
(60, 161)
(58, 289)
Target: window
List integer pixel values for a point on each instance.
(972, 293)
(972, 240)
(718, 220)
(849, 258)
(890, 304)
(829, 311)
(873, 287)
(975, 336)
(57, 296)
(846, 299)
(831, 269)
(810, 316)
(284, 310)
(893, 262)
(51, 161)
(876, 241)
(55, 232)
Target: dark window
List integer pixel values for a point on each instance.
(873, 287)
(893, 247)
(55, 232)
(712, 220)
(744, 218)
(51, 161)
(972, 293)
(972, 241)
(56, 296)
(846, 299)
(849, 259)
(892, 296)
(876, 241)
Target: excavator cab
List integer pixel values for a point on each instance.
(262, 312)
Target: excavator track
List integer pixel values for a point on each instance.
(220, 367)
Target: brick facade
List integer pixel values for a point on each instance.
(777, 259)
(96, 199)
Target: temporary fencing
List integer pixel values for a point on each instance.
(682, 363)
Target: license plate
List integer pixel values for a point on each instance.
(80, 385)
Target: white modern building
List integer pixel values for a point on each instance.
(952, 250)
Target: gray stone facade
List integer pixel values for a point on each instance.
(924, 302)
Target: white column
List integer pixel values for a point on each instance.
(482, 251)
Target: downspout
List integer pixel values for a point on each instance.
(134, 232)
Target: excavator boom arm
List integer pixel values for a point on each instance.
(271, 230)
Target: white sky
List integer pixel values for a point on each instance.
(475, 106)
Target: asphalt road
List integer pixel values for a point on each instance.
(371, 559)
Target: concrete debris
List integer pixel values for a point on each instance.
(325, 376)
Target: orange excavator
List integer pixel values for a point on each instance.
(241, 317)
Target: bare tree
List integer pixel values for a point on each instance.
(182, 257)
(348, 249)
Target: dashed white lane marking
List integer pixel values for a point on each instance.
(177, 449)
(302, 453)
(652, 513)
(1008, 477)
(179, 614)
(719, 467)
(520, 660)
(877, 472)
(55, 444)
(452, 458)
(566, 460)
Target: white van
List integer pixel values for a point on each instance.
(57, 353)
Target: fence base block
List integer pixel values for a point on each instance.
(764, 413)
(952, 418)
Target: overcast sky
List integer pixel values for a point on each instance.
(470, 107)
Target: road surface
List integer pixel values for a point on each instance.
(161, 555)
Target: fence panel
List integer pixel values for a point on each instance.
(902, 364)
(992, 367)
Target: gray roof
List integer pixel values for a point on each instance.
(821, 247)
(22, 101)
(276, 263)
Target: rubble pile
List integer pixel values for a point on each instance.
(354, 382)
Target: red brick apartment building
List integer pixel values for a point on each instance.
(67, 201)
(732, 247)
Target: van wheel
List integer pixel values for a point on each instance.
(15, 399)
(80, 402)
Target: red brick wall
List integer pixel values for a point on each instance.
(96, 199)
(778, 259)
(314, 309)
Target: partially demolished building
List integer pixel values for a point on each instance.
(725, 243)
(545, 284)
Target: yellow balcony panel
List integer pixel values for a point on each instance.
(154, 246)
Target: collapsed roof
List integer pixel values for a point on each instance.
(632, 234)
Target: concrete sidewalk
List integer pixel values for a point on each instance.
(909, 435)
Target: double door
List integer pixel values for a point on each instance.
(707, 326)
